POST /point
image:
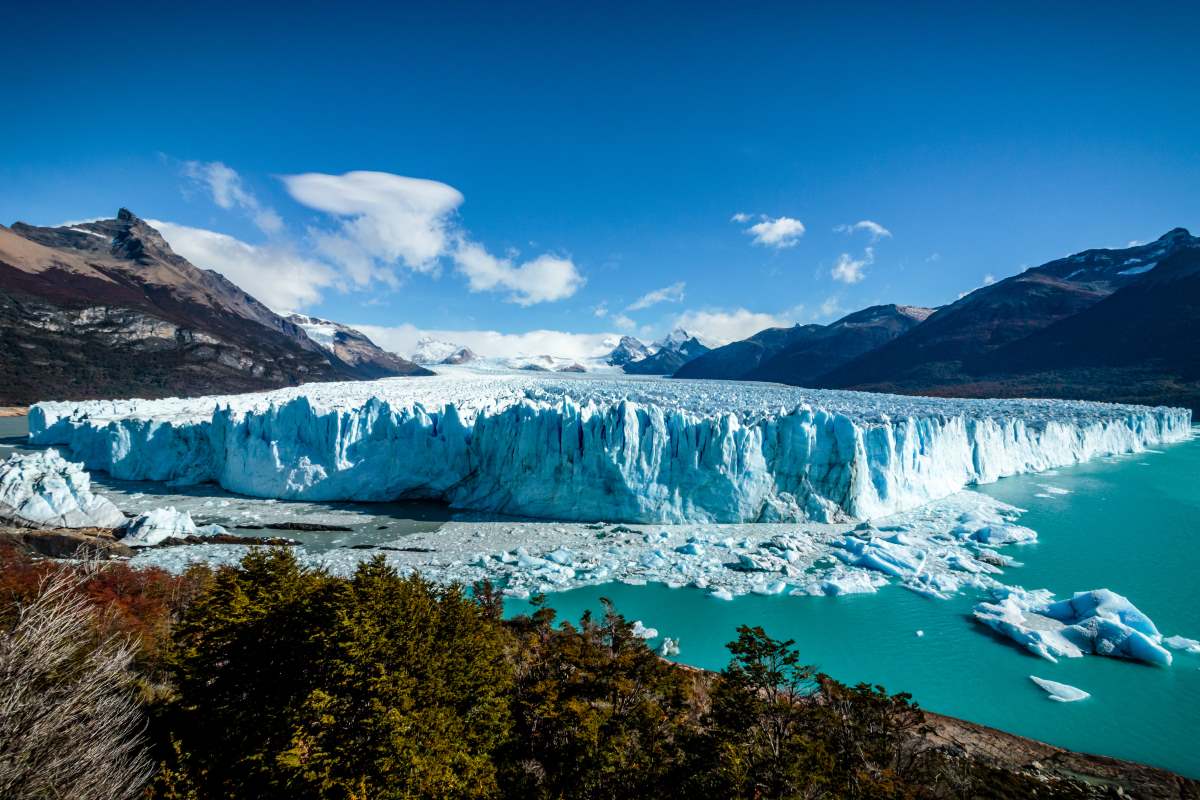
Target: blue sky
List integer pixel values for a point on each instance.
(490, 170)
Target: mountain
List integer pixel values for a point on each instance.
(677, 349)
(1137, 345)
(107, 309)
(430, 351)
(801, 354)
(734, 360)
(463, 355)
(354, 349)
(806, 359)
(955, 350)
(629, 350)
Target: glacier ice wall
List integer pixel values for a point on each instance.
(575, 449)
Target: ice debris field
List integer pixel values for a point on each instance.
(589, 448)
(727, 488)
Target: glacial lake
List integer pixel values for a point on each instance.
(1129, 524)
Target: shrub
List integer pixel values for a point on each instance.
(70, 725)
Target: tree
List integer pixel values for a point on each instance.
(295, 683)
(758, 743)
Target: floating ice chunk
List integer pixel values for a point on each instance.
(155, 527)
(843, 582)
(920, 634)
(721, 593)
(561, 556)
(45, 490)
(1099, 621)
(772, 588)
(1060, 692)
(879, 554)
(642, 632)
(1004, 533)
(759, 562)
(691, 549)
(1182, 643)
(669, 647)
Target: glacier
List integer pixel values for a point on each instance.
(589, 448)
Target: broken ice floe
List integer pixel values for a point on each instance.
(1099, 621)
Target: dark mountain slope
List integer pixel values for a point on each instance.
(107, 309)
(952, 345)
(734, 360)
(1140, 344)
(803, 362)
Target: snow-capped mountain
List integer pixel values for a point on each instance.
(675, 349)
(628, 350)
(354, 348)
(434, 351)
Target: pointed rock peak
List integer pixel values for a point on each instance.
(125, 215)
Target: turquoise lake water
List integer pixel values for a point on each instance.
(1131, 525)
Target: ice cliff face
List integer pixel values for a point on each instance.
(590, 448)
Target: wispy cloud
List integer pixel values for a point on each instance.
(871, 228)
(774, 232)
(667, 294)
(227, 190)
(851, 270)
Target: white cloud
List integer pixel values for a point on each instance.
(385, 219)
(600, 311)
(778, 232)
(544, 279)
(831, 307)
(402, 339)
(722, 327)
(667, 294)
(850, 270)
(228, 191)
(623, 323)
(274, 274)
(989, 279)
(740, 217)
(872, 229)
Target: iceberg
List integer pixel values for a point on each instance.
(43, 489)
(1060, 692)
(578, 447)
(155, 527)
(1098, 621)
